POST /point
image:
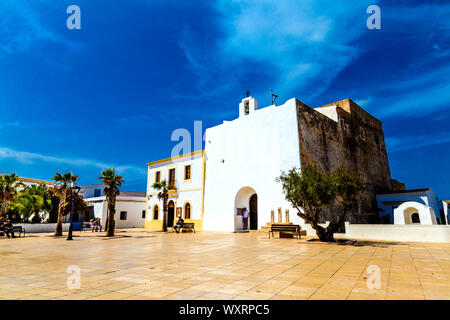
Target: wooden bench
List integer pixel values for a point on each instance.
(188, 225)
(20, 230)
(294, 228)
(86, 226)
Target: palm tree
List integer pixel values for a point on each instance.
(163, 187)
(112, 183)
(9, 187)
(64, 180)
(32, 201)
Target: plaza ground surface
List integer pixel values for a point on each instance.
(151, 265)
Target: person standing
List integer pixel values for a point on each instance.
(245, 216)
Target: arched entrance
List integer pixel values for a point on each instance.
(415, 218)
(244, 203)
(411, 215)
(412, 212)
(170, 214)
(254, 212)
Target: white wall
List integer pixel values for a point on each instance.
(134, 214)
(420, 197)
(250, 151)
(41, 227)
(88, 190)
(446, 211)
(132, 205)
(426, 197)
(402, 214)
(414, 233)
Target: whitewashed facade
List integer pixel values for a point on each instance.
(186, 174)
(243, 158)
(130, 209)
(419, 206)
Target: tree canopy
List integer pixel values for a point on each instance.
(310, 190)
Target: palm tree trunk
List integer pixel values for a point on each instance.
(112, 212)
(59, 222)
(107, 218)
(3, 210)
(107, 222)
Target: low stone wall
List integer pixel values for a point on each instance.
(390, 232)
(41, 227)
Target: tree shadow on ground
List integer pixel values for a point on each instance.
(359, 243)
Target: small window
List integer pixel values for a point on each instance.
(415, 218)
(187, 172)
(143, 214)
(97, 192)
(377, 141)
(187, 211)
(172, 177)
(246, 107)
(123, 215)
(362, 133)
(155, 213)
(158, 176)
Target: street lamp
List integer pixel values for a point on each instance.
(75, 191)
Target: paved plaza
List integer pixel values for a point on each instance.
(138, 264)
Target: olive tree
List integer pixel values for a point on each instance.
(310, 190)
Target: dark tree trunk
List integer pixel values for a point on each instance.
(3, 210)
(324, 234)
(165, 213)
(112, 212)
(36, 218)
(106, 222)
(53, 214)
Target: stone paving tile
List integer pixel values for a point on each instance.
(224, 266)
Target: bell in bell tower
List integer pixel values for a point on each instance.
(247, 106)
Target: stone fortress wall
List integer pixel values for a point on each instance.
(342, 134)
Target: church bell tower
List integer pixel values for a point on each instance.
(247, 106)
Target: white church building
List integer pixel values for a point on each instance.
(243, 157)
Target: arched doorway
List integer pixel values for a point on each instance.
(411, 215)
(254, 212)
(241, 204)
(412, 212)
(155, 212)
(187, 211)
(170, 214)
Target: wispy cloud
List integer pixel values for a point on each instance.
(396, 144)
(31, 157)
(22, 29)
(423, 94)
(364, 102)
(423, 86)
(213, 77)
(297, 46)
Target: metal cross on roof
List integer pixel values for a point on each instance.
(272, 97)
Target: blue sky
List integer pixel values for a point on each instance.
(111, 93)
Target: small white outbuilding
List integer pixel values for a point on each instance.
(130, 209)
